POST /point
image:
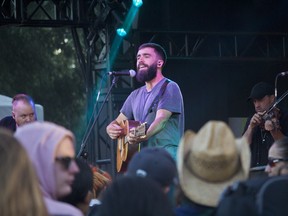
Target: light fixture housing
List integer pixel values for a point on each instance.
(137, 3)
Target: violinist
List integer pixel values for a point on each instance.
(266, 125)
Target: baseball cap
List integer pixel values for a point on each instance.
(260, 90)
(154, 163)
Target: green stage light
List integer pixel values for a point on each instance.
(137, 3)
(121, 32)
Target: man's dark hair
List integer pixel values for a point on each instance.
(82, 184)
(159, 50)
(134, 195)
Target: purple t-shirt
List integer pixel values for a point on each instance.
(138, 107)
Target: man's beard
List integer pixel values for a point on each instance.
(148, 74)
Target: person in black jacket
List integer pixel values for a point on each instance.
(261, 132)
(23, 112)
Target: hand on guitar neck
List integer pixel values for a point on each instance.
(134, 137)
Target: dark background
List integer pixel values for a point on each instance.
(215, 89)
(212, 15)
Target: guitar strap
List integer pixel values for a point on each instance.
(153, 105)
(157, 98)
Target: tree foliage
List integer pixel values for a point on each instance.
(42, 62)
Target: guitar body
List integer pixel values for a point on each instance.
(125, 150)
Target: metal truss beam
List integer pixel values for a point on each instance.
(92, 25)
(220, 45)
(93, 53)
(44, 13)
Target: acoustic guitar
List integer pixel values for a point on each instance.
(125, 150)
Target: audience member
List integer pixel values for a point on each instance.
(272, 197)
(101, 179)
(154, 163)
(260, 196)
(23, 112)
(277, 157)
(82, 186)
(133, 195)
(20, 191)
(261, 130)
(51, 150)
(207, 163)
(283, 170)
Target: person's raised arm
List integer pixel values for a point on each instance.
(255, 121)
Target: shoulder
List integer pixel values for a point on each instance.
(7, 119)
(8, 122)
(172, 84)
(60, 208)
(173, 88)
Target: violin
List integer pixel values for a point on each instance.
(271, 119)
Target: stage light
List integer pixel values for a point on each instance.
(137, 3)
(121, 32)
(123, 28)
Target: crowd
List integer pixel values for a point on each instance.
(172, 172)
(202, 181)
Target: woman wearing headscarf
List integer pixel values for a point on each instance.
(51, 150)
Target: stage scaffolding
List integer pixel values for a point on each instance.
(92, 28)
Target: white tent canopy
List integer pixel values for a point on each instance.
(6, 108)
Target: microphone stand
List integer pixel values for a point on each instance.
(277, 101)
(275, 91)
(83, 145)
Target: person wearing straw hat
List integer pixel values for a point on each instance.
(208, 162)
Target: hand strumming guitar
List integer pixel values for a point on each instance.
(114, 130)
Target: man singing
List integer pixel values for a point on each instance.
(159, 103)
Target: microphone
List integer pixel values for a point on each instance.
(126, 72)
(283, 73)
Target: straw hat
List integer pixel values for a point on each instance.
(210, 161)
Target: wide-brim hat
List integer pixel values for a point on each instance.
(211, 160)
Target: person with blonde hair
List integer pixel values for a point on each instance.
(19, 186)
(50, 147)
